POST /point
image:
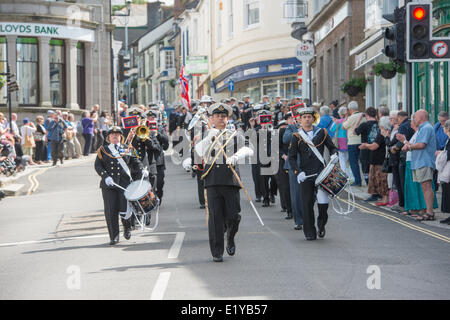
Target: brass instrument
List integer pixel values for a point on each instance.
(316, 118)
(143, 131)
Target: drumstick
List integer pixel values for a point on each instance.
(119, 186)
(142, 179)
(310, 176)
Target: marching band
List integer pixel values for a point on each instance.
(284, 148)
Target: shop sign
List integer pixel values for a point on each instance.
(305, 51)
(196, 65)
(47, 30)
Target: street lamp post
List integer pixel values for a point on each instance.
(126, 15)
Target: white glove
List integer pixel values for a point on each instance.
(145, 173)
(232, 160)
(301, 177)
(109, 181)
(334, 158)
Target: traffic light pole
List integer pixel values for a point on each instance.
(409, 86)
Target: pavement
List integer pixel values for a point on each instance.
(54, 245)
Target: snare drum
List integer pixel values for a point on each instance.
(332, 179)
(141, 197)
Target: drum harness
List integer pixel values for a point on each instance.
(334, 202)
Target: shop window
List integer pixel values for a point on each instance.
(81, 83)
(27, 71)
(3, 69)
(57, 73)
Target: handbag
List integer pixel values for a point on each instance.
(386, 167)
(29, 141)
(443, 167)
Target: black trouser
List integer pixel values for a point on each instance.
(114, 202)
(309, 197)
(57, 150)
(159, 181)
(273, 186)
(398, 184)
(257, 180)
(200, 188)
(100, 140)
(364, 157)
(283, 185)
(401, 172)
(224, 207)
(40, 149)
(265, 188)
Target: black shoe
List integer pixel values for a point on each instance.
(298, 227)
(147, 219)
(258, 200)
(354, 184)
(202, 206)
(272, 199)
(218, 259)
(114, 241)
(283, 210)
(289, 216)
(445, 221)
(266, 203)
(321, 232)
(62, 162)
(127, 233)
(54, 163)
(372, 198)
(310, 238)
(231, 247)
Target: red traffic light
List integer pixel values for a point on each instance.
(419, 13)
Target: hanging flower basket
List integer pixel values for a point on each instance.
(388, 70)
(354, 86)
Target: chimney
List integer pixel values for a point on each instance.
(178, 8)
(153, 15)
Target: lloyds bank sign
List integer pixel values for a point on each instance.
(46, 30)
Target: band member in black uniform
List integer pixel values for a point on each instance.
(222, 187)
(247, 112)
(160, 162)
(282, 176)
(310, 167)
(116, 165)
(264, 145)
(196, 133)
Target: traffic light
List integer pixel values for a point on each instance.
(421, 45)
(419, 31)
(395, 35)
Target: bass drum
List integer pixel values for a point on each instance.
(141, 197)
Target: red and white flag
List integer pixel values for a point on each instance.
(184, 89)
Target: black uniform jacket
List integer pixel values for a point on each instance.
(219, 173)
(309, 163)
(106, 166)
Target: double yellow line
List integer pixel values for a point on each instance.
(34, 183)
(400, 221)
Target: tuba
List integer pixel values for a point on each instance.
(316, 118)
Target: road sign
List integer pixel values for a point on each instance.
(300, 76)
(440, 49)
(230, 85)
(304, 51)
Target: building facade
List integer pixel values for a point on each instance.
(335, 27)
(59, 53)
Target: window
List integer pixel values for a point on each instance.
(320, 72)
(230, 18)
(27, 70)
(251, 12)
(329, 77)
(3, 69)
(81, 84)
(169, 59)
(151, 64)
(219, 24)
(57, 74)
(336, 71)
